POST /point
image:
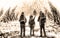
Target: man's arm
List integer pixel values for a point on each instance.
(20, 19)
(25, 20)
(38, 18)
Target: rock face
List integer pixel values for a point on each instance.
(28, 7)
(39, 5)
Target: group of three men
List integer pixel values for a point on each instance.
(41, 20)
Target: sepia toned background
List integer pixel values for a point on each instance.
(10, 11)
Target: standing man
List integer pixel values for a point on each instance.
(31, 23)
(42, 20)
(22, 23)
(1, 34)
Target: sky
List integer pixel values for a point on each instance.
(5, 4)
(11, 3)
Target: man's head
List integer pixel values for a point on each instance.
(34, 12)
(31, 16)
(41, 13)
(22, 13)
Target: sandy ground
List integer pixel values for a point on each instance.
(13, 28)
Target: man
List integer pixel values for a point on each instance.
(6, 35)
(22, 23)
(42, 20)
(1, 34)
(31, 23)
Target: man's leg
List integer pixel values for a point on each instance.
(33, 30)
(30, 31)
(21, 31)
(40, 30)
(44, 30)
(24, 30)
